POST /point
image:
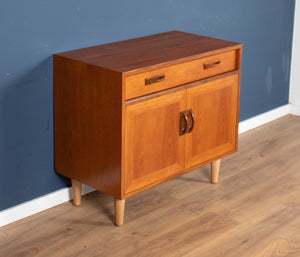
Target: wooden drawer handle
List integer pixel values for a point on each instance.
(208, 65)
(154, 79)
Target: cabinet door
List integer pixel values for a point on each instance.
(154, 149)
(215, 108)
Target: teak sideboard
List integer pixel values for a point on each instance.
(130, 115)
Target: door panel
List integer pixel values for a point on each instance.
(154, 149)
(215, 108)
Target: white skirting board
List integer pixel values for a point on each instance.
(39, 204)
(264, 118)
(60, 196)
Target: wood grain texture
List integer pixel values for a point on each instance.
(254, 212)
(142, 54)
(88, 124)
(179, 74)
(214, 135)
(215, 108)
(154, 148)
(123, 148)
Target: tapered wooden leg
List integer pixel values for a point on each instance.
(77, 187)
(119, 211)
(215, 168)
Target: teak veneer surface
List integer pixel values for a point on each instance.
(181, 73)
(105, 140)
(134, 54)
(88, 121)
(254, 212)
(99, 142)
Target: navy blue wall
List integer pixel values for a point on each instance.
(31, 31)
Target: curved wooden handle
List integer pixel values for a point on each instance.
(208, 65)
(154, 79)
(191, 114)
(183, 123)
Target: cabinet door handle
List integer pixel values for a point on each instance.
(208, 65)
(183, 123)
(191, 114)
(154, 79)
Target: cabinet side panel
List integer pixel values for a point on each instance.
(87, 124)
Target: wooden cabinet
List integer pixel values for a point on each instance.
(132, 114)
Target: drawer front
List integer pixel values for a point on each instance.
(167, 77)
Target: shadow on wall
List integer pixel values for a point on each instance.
(26, 136)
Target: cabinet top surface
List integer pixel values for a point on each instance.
(138, 53)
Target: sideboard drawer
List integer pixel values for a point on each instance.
(177, 74)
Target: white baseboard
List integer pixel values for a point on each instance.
(55, 198)
(39, 204)
(264, 118)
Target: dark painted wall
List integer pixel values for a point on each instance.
(31, 31)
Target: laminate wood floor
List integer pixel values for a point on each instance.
(253, 211)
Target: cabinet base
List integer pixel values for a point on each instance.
(119, 205)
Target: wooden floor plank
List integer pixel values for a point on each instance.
(279, 247)
(254, 211)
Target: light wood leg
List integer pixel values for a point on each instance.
(119, 211)
(77, 187)
(215, 168)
